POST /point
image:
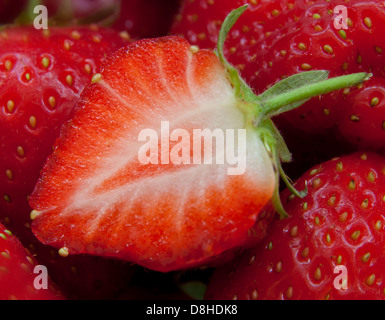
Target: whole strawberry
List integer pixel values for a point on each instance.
(21, 278)
(330, 247)
(42, 73)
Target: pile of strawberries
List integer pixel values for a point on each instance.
(107, 193)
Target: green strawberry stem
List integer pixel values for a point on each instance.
(284, 96)
(307, 91)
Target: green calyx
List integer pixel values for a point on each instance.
(284, 96)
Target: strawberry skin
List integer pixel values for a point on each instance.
(17, 277)
(339, 222)
(276, 39)
(361, 119)
(41, 76)
(102, 200)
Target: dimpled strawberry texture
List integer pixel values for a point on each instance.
(19, 280)
(42, 73)
(339, 223)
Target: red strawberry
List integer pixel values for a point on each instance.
(21, 278)
(339, 223)
(270, 44)
(42, 74)
(104, 192)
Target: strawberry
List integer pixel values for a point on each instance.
(104, 192)
(276, 39)
(336, 228)
(42, 74)
(21, 278)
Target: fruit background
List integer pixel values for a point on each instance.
(339, 222)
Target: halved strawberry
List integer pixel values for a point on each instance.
(96, 194)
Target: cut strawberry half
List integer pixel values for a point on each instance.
(125, 179)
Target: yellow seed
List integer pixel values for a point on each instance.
(365, 258)
(354, 118)
(5, 255)
(332, 200)
(306, 66)
(328, 49)
(67, 45)
(368, 22)
(45, 62)
(289, 292)
(32, 122)
(345, 66)
(34, 214)
(305, 206)
(125, 35)
(355, 235)
(251, 260)
(316, 16)
(370, 280)
(20, 151)
(63, 252)
(52, 101)
(342, 34)
(365, 204)
(328, 238)
(9, 174)
(317, 28)
(88, 68)
(8, 65)
(294, 231)
(97, 77)
(278, 266)
(76, 35)
(316, 220)
(7, 198)
(275, 12)
(234, 297)
(352, 185)
(378, 225)
(364, 156)
(302, 46)
(343, 216)
(371, 176)
(10, 105)
(254, 295)
(69, 80)
(96, 39)
(317, 274)
(283, 53)
(270, 246)
(339, 259)
(305, 252)
(339, 166)
(375, 101)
